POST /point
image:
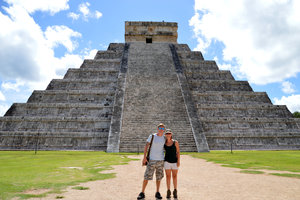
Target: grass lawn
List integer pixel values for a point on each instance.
(255, 160)
(23, 170)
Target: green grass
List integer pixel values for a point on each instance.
(252, 172)
(287, 175)
(253, 160)
(80, 188)
(23, 170)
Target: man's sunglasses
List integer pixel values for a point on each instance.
(161, 128)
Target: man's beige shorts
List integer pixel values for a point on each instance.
(158, 167)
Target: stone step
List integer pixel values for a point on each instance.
(251, 133)
(153, 122)
(91, 73)
(60, 109)
(54, 124)
(138, 147)
(258, 124)
(105, 64)
(198, 65)
(208, 75)
(45, 140)
(231, 97)
(243, 110)
(190, 55)
(182, 48)
(248, 142)
(116, 47)
(108, 55)
(81, 84)
(219, 85)
(182, 141)
(103, 97)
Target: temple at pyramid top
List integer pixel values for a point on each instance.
(151, 32)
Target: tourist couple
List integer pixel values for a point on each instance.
(157, 143)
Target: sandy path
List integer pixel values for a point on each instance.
(197, 178)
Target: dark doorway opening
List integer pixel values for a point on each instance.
(148, 40)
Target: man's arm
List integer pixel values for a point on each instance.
(145, 153)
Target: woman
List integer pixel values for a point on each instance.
(172, 162)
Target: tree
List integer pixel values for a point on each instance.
(296, 114)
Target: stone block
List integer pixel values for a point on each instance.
(87, 73)
(104, 97)
(80, 84)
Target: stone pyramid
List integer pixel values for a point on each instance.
(114, 101)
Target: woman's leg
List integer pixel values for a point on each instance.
(168, 178)
(174, 176)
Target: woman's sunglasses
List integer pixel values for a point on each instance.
(161, 128)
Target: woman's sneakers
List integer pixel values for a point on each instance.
(141, 196)
(169, 194)
(158, 196)
(175, 193)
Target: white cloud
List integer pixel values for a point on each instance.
(2, 97)
(84, 9)
(292, 102)
(98, 14)
(12, 86)
(27, 53)
(85, 12)
(3, 109)
(73, 15)
(53, 6)
(56, 35)
(90, 54)
(261, 37)
(287, 87)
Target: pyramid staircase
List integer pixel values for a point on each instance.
(153, 95)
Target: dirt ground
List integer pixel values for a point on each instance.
(197, 179)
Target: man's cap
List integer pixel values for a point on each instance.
(161, 124)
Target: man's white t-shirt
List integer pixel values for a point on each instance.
(157, 148)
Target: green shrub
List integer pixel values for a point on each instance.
(296, 114)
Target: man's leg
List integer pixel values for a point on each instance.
(147, 176)
(145, 182)
(159, 173)
(157, 186)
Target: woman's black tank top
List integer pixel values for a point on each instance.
(170, 155)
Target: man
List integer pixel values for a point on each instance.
(156, 161)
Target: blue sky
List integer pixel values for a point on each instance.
(257, 41)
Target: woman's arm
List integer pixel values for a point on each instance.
(177, 153)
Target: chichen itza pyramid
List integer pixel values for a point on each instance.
(114, 101)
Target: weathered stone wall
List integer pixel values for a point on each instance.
(158, 32)
(72, 113)
(231, 113)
